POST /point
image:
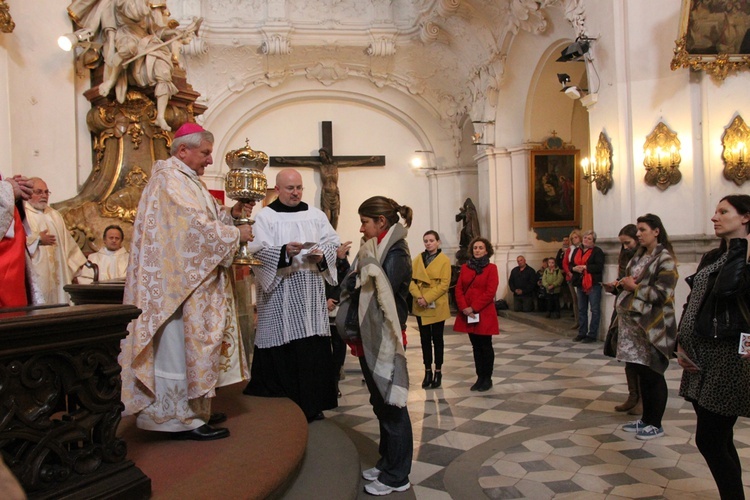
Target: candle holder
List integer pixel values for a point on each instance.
(245, 182)
(735, 140)
(662, 157)
(598, 169)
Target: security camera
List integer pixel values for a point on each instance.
(564, 79)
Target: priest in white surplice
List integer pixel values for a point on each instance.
(55, 256)
(186, 342)
(292, 356)
(112, 260)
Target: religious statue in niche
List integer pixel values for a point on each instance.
(470, 230)
(328, 165)
(138, 46)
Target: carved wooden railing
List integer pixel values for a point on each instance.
(60, 402)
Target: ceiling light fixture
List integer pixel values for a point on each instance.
(576, 50)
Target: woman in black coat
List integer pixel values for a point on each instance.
(716, 377)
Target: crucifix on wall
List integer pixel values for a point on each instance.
(330, 198)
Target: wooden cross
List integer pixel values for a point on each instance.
(330, 198)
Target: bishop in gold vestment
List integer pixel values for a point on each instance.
(186, 342)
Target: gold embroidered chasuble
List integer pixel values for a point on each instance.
(181, 255)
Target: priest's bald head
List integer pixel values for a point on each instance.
(289, 187)
(193, 146)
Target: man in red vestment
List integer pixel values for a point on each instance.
(13, 242)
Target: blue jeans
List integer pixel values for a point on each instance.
(396, 440)
(593, 299)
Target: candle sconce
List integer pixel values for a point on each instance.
(662, 157)
(477, 138)
(735, 141)
(598, 169)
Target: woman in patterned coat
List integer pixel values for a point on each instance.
(646, 322)
(716, 377)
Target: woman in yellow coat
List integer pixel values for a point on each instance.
(431, 277)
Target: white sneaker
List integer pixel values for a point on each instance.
(377, 488)
(649, 432)
(371, 474)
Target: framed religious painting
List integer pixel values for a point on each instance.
(714, 37)
(554, 188)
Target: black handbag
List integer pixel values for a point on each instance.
(610, 341)
(347, 318)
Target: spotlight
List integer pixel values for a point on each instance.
(67, 42)
(575, 51)
(564, 79)
(573, 92)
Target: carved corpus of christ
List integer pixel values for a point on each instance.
(328, 165)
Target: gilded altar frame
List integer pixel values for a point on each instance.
(713, 37)
(554, 188)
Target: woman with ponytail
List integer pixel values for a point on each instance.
(380, 277)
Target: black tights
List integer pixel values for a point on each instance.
(430, 335)
(653, 393)
(714, 437)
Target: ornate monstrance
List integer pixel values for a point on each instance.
(246, 182)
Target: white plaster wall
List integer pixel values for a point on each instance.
(638, 90)
(40, 114)
(286, 122)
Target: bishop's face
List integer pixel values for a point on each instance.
(197, 159)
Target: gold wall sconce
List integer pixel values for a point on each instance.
(735, 141)
(662, 157)
(598, 169)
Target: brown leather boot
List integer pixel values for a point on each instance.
(634, 396)
(637, 409)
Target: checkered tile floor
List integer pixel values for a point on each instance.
(547, 429)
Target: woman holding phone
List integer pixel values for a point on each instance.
(646, 322)
(716, 377)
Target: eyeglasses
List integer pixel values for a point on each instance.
(42, 191)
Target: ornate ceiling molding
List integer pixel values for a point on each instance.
(327, 72)
(575, 13)
(450, 53)
(526, 15)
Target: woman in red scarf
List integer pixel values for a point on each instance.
(588, 267)
(475, 297)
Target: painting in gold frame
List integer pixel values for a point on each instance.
(554, 188)
(714, 37)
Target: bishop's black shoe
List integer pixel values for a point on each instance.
(203, 433)
(217, 418)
